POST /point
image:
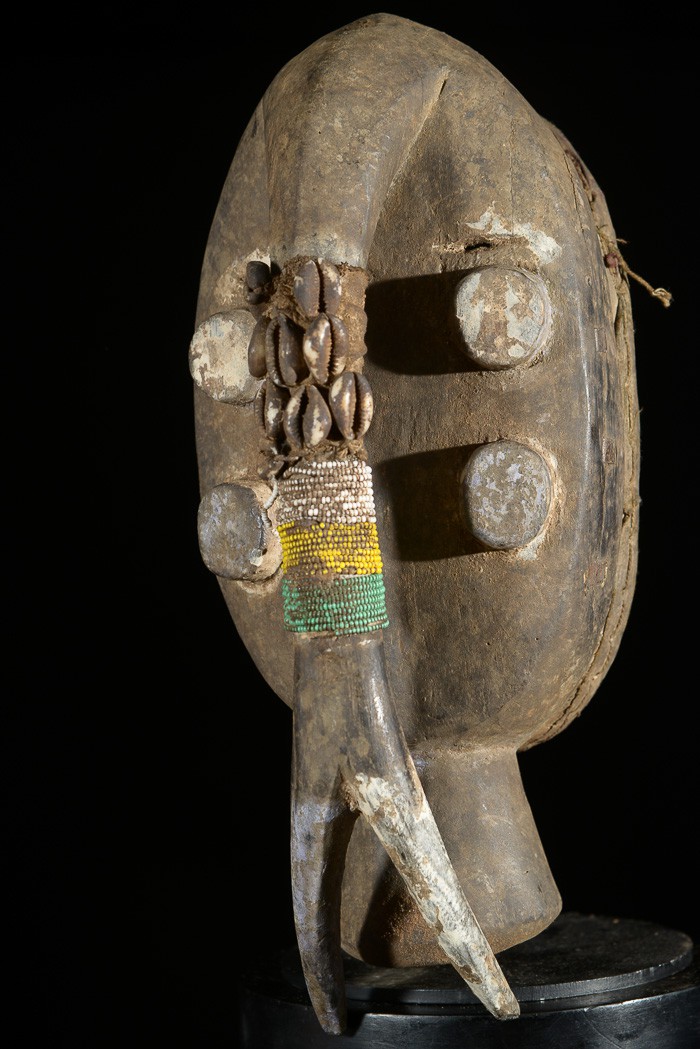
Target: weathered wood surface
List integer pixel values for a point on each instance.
(393, 148)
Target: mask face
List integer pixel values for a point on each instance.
(417, 432)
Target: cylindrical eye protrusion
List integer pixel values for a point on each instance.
(236, 537)
(352, 404)
(218, 357)
(505, 316)
(325, 348)
(506, 492)
(283, 352)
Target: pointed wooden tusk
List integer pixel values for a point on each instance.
(413, 842)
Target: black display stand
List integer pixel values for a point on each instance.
(587, 982)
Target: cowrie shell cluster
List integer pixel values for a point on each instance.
(312, 393)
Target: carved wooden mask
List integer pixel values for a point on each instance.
(417, 434)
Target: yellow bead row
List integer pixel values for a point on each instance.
(326, 548)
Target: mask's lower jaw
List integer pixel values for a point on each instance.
(478, 801)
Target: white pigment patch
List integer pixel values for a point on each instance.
(219, 357)
(544, 246)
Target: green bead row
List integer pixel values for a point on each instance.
(346, 605)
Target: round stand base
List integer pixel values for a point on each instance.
(586, 982)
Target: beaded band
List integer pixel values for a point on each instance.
(333, 579)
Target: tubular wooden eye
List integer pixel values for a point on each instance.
(506, 494)
(504, 314)
(219, 357)
(236, 537)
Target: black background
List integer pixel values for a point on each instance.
(148, 763)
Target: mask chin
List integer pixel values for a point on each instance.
(479, 803)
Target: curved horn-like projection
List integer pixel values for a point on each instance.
(354, 122)
(350, 757)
